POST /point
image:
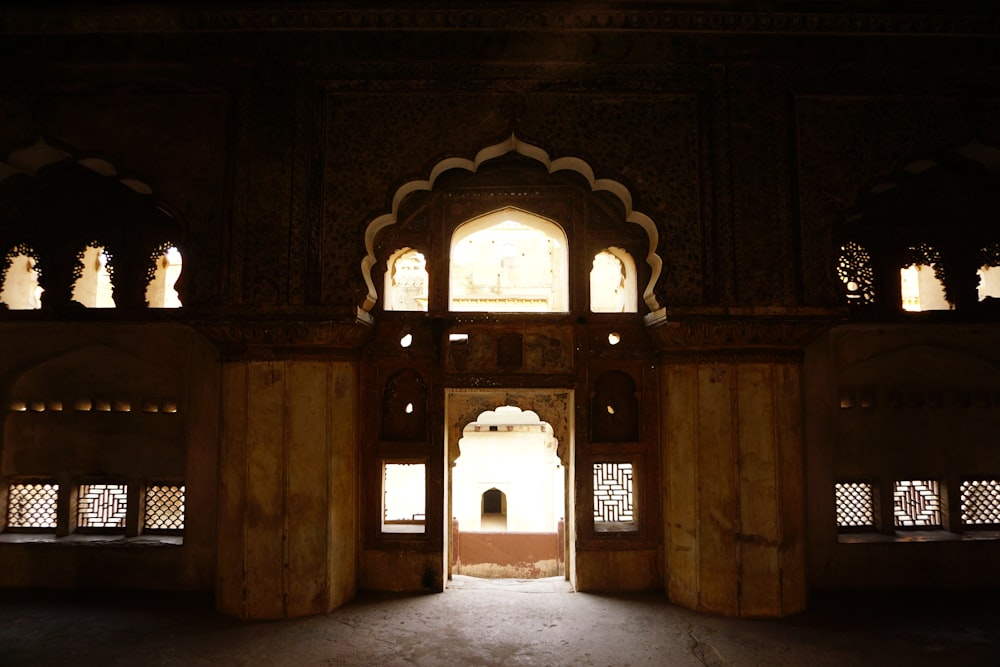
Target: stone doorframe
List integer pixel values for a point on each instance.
(554, 406)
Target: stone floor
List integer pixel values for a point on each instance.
(497, 622)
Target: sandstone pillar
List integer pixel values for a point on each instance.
(287, 497)
(732, 456)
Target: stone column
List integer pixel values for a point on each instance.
(287, 534)
(732, 453)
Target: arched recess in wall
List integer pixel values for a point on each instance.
(925, 238)
(513, 145)
(404, 407)
(613, 282)
(406, 281)
(58, 203)
(614, 408)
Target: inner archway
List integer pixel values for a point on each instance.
(509, 487)
(508, 498)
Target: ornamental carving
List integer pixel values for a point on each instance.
(529, 19)
(291, 333)
(739, 333)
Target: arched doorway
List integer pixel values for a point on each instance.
(508, 487)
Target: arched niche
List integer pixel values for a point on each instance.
(614, 414)
(613, 282)
(404, 407)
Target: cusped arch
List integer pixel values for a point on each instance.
(511, 145)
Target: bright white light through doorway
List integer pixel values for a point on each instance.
(508, 497)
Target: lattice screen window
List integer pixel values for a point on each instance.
(854, 268)
(917, 504)
(32, 505)
(102, 506)
(855, 505)
(614, 502)
(164, 507)
(981, 502)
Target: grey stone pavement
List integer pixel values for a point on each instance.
(497, 622)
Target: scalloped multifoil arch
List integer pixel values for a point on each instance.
(513, 145)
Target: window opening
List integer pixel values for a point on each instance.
(403, 497)
(493, 501)
(406, 281)
(614, 339)
(21, 290)
(855, 505)
(509, 261)
(922, 280)
(406, 340)
(614, 505)
(164, 507)
(102, 506)
(989, 272)
(32, 505)
(613, 282)
(161, 277)
(981, 502)
(93, 273)
(917, 504)
(854, 268)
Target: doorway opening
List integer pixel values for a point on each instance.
(508, 485)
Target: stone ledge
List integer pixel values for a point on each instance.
(918, 536)
(78, 540)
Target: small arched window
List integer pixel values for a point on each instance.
(20, 290)
(94, 274)
(989, 272)
(162, 275)
(406, 281)
(494, 502)
(922, 280)
(613, 282)
(509, 261)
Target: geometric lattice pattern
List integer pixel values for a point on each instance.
(102, 506)
(854, 505)
(164, 507)
(613, 492)
(854, 268)
(32, 505)
(981, 502)
(917, 503)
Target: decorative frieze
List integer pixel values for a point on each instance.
(528, 19)
(296, 334)
(720, 333)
